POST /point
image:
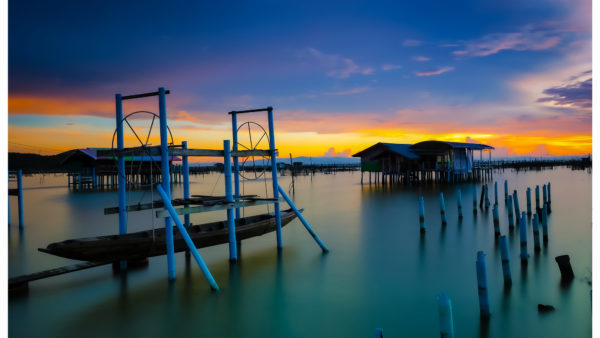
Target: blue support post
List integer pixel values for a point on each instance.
(236, 162)
(301, 218)
(496, 220)
(443, 209)
(229, 198)
(166, 183)
(186, 237)
(474, 200)
(537, 197)
(121, 169)
(545, 222)
(20, 196)
(8, 200)
(517, 209)
(496, 192)
(511, 216)
(445, 313)
(94, 183)
(545, 200)
(536, 234)
(487, 198)
(186, 181)
(505, 191)
(549, 202)
(378, 332)
(422, 214)
(274, 178)
(459, 201)
(482, 286)
(523, 237)
(80, 182)
(505, 261)
(528, 201)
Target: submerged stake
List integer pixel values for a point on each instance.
(445, 312)
(523, 237)
(422, 213)
(484, 304)
(511, 218)
(459, 200)
(505, 261)
(496, 220)
(443, 209)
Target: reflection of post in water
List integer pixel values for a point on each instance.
(484, 328)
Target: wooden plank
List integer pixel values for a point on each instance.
(18, 281)
(199, 199)
(220, 206)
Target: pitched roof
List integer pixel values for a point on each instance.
(400, 149)
(433, 143)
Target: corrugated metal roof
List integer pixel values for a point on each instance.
(401, 149)
(474, 146)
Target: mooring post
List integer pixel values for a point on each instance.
(482, 284)
(236, 161)
(549, 198)
(474, 200)
(545, 223)
(301, 218)
(536, 234)
(523, 237)
(20, 197)
(505, 261)
(545, 200)
(186, 181)
(537, 197)
(528, 201)
(166, 184)
(121, 168)
(459, 200)
(487, 198)
(443, 209)
(229, 198)
(378, 332)
(496, 192)
(186, 237)
(445, 313)
(80, 182)
(94, 183)
(517, 209)
(274, 177)
(564, 264)
(505, 191)
(496, 221)
(511, 217)
(422, 214)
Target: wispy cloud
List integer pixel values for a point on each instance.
(411, 43)
(421, 58)
(390, 67)
(435, 72)
(530, 38)
(349, 91)
(575, 93)
(336, 65)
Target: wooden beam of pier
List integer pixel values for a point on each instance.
(221, 206)
(23, 280)
(199, 199)
(155, 151)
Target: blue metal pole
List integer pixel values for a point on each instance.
(20, 196)
(236, 162)
(94, 177)
(482, 285)
(536, 234)
(378, 332)
(523, 237)
(505, 191)
(274, 178)
(545, 200)
(545, 223)
(121, 169)
(505, 261)
(229, 198)
(301, 218)
(487, 198)
(549, 198)
(537, 197)
(186, 237)
(443, 209)
(445, 312)
(528, 201)
(186, 181)
(422, 214)
(166, 184)
(459, 200)
(517, 209)
(474, 200)
(496, 192)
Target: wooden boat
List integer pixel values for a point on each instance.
(139, 245)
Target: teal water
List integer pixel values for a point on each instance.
(380, 271)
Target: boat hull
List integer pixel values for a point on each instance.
(150, 243)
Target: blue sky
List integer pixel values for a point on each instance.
(370, 62)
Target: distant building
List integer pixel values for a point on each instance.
(424, 160)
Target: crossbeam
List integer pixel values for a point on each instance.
(176, 202)
(137, 96)
(155, 151)
(220, 206)
(250, 111)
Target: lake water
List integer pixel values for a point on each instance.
(379, 273)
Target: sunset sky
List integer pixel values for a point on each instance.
(341, 76)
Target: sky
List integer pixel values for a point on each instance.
(340, 75)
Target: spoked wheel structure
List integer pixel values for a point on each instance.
(252, 136)
(139, 131)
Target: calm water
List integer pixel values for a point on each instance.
(379, 273)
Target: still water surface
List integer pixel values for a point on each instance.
(380, 271)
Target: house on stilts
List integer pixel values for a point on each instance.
(438, 161)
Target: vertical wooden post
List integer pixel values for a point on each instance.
(545, 223)
(422, 214)
(496, 192)
(528, 201)
(445, 313)
(482, 285)
(505, 261)
(487, 198)
(549, 198)
(378, 332)
(459, 200)
(505, 191)
(517, 209)
(536, 234)
(564, 264)
(474, 200)
(511, 217)
(537, 197)
(496, 221)
(443, 209)
(523, 237)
